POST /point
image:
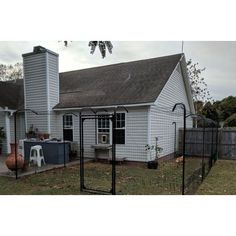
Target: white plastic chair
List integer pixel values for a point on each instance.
(36, 155)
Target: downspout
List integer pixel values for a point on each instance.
(149, 131)
(48, 96)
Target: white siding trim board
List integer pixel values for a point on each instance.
(8, 133)
(149, 131)
(184, 71)
(48, 93)
(25, 104)
(5, 141)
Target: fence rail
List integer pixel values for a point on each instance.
(226, 140)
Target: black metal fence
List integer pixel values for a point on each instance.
(195, 154)
(201, 151)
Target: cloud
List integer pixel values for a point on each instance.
(219, 58)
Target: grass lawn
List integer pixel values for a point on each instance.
(130, 180)
(138, 180)
(221, 179)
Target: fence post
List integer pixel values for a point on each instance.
(184, 144)
(203, 151)
(220, 146)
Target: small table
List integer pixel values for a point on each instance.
(102, 147)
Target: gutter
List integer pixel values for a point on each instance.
(101, 107)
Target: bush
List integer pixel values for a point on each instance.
(230, 121)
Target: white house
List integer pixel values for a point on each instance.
(147, 88)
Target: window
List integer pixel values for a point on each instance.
(68, 127)
(120, 128)
(68, 122)
(103, 125)
(103, 135)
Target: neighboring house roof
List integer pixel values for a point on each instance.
(137, 82)
(12, 94)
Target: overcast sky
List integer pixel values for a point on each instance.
(219, 58)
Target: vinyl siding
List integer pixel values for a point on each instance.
(136, 134)
(161, 115)
(89, 132)
(53, 76)
(53, 90)
(20, 127)
(41, 83)
(57, 126)
(35, 84)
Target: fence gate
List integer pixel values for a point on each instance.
(83, 184)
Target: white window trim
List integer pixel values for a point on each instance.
(110, 130)
(111, 134)
(72, 127)
(123, 128)
(7, 131)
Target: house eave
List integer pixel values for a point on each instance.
(101, 107)
(183, 65)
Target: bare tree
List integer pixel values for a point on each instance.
(11, 72)
(198, 85)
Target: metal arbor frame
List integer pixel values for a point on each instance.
(174, 123)
(213, 124)
(184, 121)
(202, 118)
(95, 117)
(205, 121)
(15, 132)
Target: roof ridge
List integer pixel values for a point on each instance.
(122, 63)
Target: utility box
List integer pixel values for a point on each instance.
(53, 151)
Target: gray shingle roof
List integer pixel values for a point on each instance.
(125, 83)
(134, 82)
(12, 94)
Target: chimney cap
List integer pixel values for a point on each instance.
(39, 49)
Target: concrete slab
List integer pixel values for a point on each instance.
(34, 169)
(3, 167)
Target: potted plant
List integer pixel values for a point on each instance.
(32, 132)
(42, 136)
(2, 137)
(46, 135)
(153, 163)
